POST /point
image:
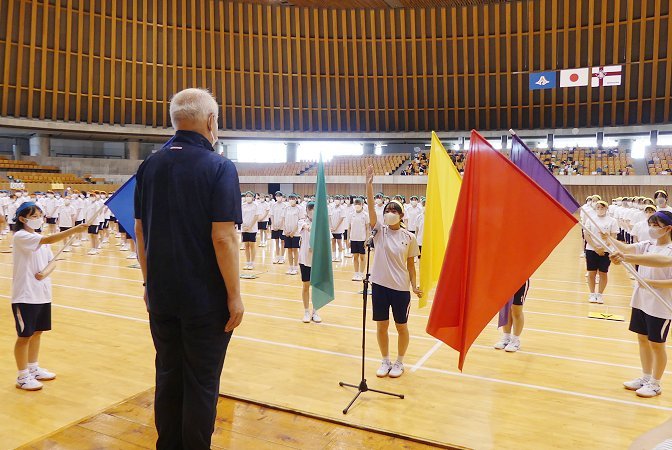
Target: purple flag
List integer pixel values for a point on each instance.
(526, 161)
(504, 314)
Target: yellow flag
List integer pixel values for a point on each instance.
(443, 188)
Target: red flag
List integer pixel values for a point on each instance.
(505, 226)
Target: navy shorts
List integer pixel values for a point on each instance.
(249, 237)
(113, 219)
(385, 298)
(106, 224)
(305, 273)
(337, 236)
(78, 222)
(654, 327)
(597, 262)
(64, 228)
(262, 225)
(31, 318)
(51, 220)
(357, 247)
(93, 229)
(292, 242)
(276, 234)
(520, 296)
(345, 235)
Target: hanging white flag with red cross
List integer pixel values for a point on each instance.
(606, 76)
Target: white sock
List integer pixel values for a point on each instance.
(23, 374)
(307, 310)
(386, 359)
(515, 338)
(646, 376)
(400, 359)
(506, 336)
(654, 381)
(33, 366)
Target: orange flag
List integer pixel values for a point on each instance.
(505, 226)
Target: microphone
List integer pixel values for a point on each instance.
(369, 241)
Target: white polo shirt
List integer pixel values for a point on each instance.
(359, 221)
(393, 248)
(30, 257)
(644, 300)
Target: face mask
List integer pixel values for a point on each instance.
(656, 232)
(50, 195)
(358, 208)
(391, 219)
(602, 213)
(35, 224)
(67, 203)
(310, 215)
(305, 199)
(18, 195)
(331, 200)
(379, 201)
(267, 199)
(660, 201)
(292, 203)
(212, 135)
(337, 202)
(248, 199)
(414, 203)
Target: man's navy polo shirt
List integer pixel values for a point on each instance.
(180, 191)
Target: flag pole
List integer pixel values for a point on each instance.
(627, 265)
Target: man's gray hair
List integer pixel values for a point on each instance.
(193, 105)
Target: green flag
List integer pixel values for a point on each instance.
(322, 274)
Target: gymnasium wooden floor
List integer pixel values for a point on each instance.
(563, 389)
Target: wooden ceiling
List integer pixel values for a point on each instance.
(374, 4)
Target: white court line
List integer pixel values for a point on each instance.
(445, 372)
(578, 282)
(574, 292)
(426, 356)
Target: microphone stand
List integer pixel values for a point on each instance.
(362, 386)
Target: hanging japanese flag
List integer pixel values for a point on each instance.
(574, 77)
(606, 76)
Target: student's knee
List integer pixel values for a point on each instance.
(402, 328)
(383, 325)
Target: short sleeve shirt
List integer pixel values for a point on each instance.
(181, 190)
(30, 257)
(393, 248)
(644, 300)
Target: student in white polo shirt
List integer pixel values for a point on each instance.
(336, 223)
(264, 205)
(392, 274)
(306, 262)
(292, 215)
(249, 229)
(411, 214)
(277, 224)
(66, 218)
(597, 257)
(359, 232)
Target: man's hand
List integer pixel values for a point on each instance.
(236, 310)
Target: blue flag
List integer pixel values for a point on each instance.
(543, 80)
(122, 206)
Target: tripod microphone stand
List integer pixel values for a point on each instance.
(362, 386)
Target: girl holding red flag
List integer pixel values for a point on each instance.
(650, 318)
(392, 272)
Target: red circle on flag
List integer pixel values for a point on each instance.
(574, 78)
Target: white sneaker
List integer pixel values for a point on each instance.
(281, 260)
(76, 244)
(582, 255)
(289, 272)
(93, 251)
(355, 277)
(306, 317)
(132, 256)
(397, 370)
(384, 369)
(106, 240)
(67, 250)
(84, 239)
(512, 346)
(599, 299)
(42, 374)
(593, 298)
(251, 266)
(125, 248)
(649, 390)
(118, 235)
(316, 317)
(503, 342)
(275, 260)
(28, 383)
(635, 384)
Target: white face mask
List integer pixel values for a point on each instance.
(358, 208)
(248, 199)
(657, 232)
(50, 195)
(660, 201)
(379, 201)
(35, 224)
(414, 203)
(292, 203)
(391, 219)
(18, 195)
(67, 203)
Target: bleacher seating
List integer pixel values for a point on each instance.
(587, 161)
(38, 177)
(659, 162)
(27, 166)
(356, 165)
(272, 169)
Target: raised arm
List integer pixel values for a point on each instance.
(373, 218)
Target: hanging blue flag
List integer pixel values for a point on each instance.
(122, 206)
(543, 80)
